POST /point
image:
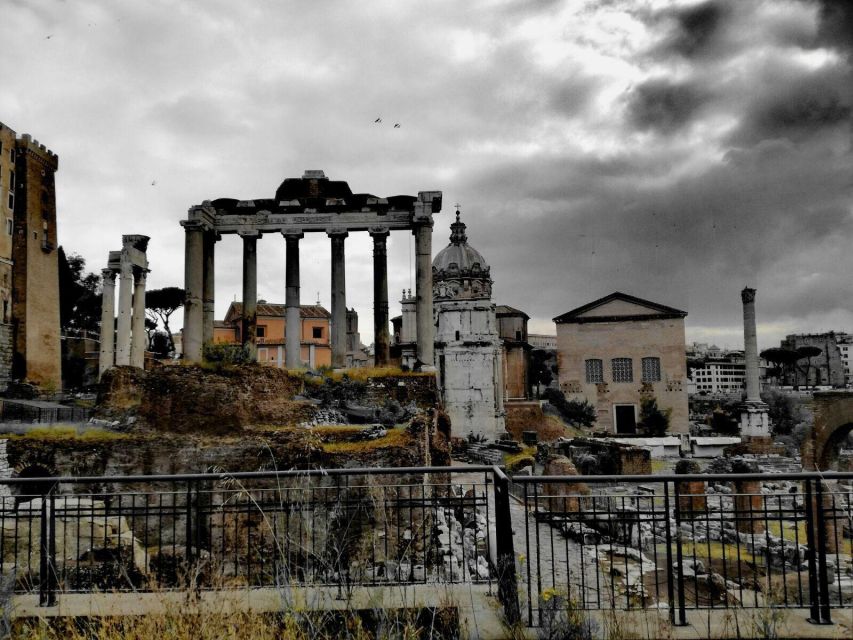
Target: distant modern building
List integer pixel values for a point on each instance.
(617, 350)
(845, 346)
(29, 267)
(542, 341)
(512, 329)
(724, 374)
(316, 350)
(827, 368)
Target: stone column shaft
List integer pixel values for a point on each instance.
(108, 322)
(423, 293)
(208, 302)
(250, 295)
(293, 314)
(125, 312)
(139, 338)
(750, 346)
(382, 335)
(339, 300)
(194, 285)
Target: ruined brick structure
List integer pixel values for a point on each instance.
(35, 272)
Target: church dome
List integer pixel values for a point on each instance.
(459, 270)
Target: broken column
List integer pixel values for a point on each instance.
(749, 502)
(754, 418)
(692, 495)
(562, 496)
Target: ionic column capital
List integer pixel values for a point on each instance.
(195, 225)
(337, 233)
(379, 233)
(249, 234)
(293, 234)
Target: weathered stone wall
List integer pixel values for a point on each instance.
(7, 352)
(192, 399)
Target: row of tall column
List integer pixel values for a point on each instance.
(199, 285)
(124, 340)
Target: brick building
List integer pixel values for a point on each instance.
(617, 350)
(827, 368)
(512, 329)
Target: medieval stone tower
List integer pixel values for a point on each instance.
(35, 290)
(467, 345)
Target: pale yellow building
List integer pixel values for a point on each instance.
(616, 350)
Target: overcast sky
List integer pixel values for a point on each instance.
(676, 151)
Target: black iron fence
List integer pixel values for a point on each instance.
(686, 542)
(340, 528)
(11, 411)
(584, 542)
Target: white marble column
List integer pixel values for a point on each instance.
(125, 311)
(194, 285)
(293, 314)
(339, 300)
(108, 321)
(139, 338)
(423, 294)
(750, 345)
(250, 293)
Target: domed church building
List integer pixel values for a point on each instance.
(467, 345)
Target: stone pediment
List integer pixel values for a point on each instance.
(619, 306)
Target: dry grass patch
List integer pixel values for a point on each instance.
(68, 432)
(396, 437)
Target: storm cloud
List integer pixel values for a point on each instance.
(675, 150)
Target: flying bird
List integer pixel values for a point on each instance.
(48, 37)
(153, 183)
(378, 120)
(396, 125)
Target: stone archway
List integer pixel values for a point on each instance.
(833, 422)
(24, 493)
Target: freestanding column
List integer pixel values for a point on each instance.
(139, 339)
(423, 292)
(108, 321)
(293, 320)
(754, 417)
(194, 285)
(382, 337)
(750, 345)
(208, 303)
(250, 294)
(125, 311)
(339, 300)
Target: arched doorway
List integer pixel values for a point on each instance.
(29, 491)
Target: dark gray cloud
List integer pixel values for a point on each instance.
(664, 105)
(677, 153)
(695, 27)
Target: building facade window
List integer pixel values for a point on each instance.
(261, 331)
(317, 333)
(594, 371)
(651, 369)
(622, 369)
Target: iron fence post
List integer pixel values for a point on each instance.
(189, 525)
(814, 599)
(822, 572)
(670, 587)
(507, 583)
(47, 544)
(682, 615)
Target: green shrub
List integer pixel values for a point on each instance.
(575, 412)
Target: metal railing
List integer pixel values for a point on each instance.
(11, 411)
(675, 542)
(341, 528)
(682, 542)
